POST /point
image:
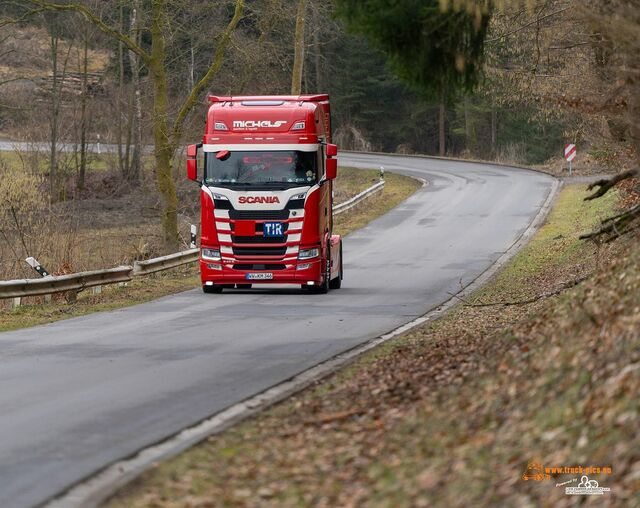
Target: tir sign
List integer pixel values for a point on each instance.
(273, 229)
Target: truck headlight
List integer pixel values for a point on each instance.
(309, 253)
(212, 254)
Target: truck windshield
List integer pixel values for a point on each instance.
(268, 169)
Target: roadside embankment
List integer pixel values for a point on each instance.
(542, 365)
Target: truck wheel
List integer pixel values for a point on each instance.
(323, 288)
(337, 282)
(212, 289)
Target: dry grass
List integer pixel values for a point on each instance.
(351, 181)
(451, 413)
(37, 311)
(397, 188)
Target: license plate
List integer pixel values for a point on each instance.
(271, 229)
(259, 276)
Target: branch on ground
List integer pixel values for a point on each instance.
(607, 184)
(616, 226)
(563, 287)
(334, 417)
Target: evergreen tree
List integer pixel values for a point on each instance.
(437, 51)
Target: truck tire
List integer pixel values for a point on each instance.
(211, 289)
(323, 288)
(337, 282)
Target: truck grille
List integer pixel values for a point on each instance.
(258, 214)
(258, 239)
(259, 246)
(258, 267)
(259, 251)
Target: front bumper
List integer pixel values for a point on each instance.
(291, 274)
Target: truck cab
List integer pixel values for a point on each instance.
(266, 193)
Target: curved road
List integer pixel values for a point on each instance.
(78, 394)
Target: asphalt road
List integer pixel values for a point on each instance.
(78, 394)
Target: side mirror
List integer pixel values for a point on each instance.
(331, 169)
(332, 150)
(192, 169)
(192, 162)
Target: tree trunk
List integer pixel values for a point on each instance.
(83, 112)
(298, 57)
(136, 162)
(467, 126)
(119, 96)
(53, 124)
(317, 55)
(192, 65)
(163, 148)
(633, 109)
(135, 167)
(441, 131)
(494, 130)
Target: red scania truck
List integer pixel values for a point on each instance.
(266, 193)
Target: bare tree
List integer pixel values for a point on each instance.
(298, 58)
(58, 76)
(166, 133)
(123, 149)
(135, 167)
(618, 26)
(83, 110)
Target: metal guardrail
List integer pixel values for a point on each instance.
(72, 282)
(78, 281)
(350, 203)
(165, 262)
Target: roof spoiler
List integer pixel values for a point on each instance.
(296, 98)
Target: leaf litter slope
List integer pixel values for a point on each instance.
(451, 413)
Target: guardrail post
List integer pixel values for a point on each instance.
(194, 232)
(33, 263)
(381, 172)
(16, 302)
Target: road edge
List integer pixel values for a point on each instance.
(97, 488)
(457, 159)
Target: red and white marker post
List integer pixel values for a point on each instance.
(570, 153)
